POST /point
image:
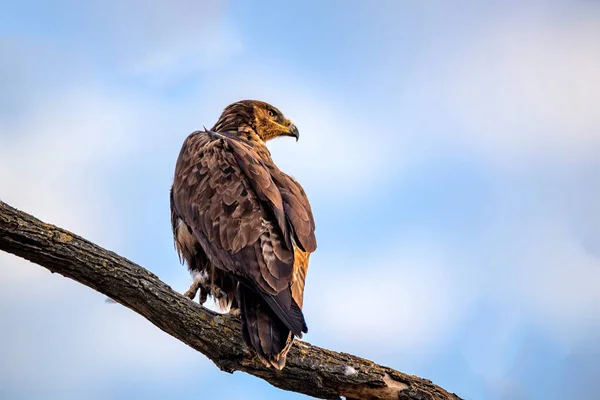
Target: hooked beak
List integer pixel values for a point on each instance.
(294, 132)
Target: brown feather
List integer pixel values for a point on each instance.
(246, 225)
(300, 270)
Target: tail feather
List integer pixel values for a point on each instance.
(283, 305)
(288, 311)
(263, 330)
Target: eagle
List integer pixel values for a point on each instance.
(244, 228)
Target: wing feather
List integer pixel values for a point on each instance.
(297, 209)
(299, 214)
(236, 210)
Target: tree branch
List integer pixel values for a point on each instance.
(310, 369)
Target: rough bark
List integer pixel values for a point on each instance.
(310, 369)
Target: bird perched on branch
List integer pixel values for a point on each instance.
(244, 228)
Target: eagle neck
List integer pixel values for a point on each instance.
(247, 133)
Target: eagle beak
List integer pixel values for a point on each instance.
(294, 132)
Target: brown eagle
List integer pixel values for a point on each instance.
(244, 228)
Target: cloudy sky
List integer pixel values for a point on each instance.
(449, 152)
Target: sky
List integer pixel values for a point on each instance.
(449, 152)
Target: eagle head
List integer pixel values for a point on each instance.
(264, 119)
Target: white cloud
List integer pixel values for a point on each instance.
(521, 89)
(405, 300)
(551, 278)
(188, 54)
(151, 39)
(132, 340)
(64, 337)
(55, 162)
(527, 264)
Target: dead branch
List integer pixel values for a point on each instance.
(310, 369)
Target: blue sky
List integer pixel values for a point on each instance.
(449, 152)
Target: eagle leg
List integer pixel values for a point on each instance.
(193, 290)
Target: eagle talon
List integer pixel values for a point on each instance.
(196, 287)
(193, 290)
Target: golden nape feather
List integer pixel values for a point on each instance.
(244, 228)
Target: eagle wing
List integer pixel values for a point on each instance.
(247, 217)
(298, 211)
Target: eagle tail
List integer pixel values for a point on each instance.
(263, 330)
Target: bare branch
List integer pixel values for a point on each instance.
(310, 369)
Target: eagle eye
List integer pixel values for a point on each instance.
(272, 113)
